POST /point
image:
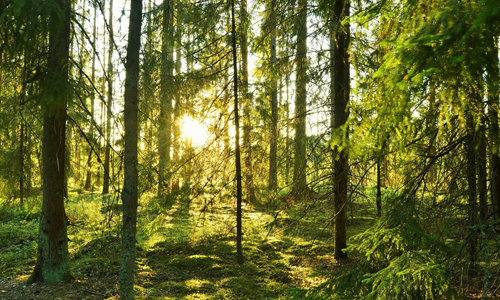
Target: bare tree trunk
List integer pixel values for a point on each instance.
(492, 80)
(379, 192)
(471, 180)
(130, 193)
(300, 163)
(88, 179)
(341, 90)
(239, 233)
(176, 128)
(273, 155)
(165, 127)
(107, 154)
(247, 105)
(53, 258)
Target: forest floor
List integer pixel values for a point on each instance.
(185, 249)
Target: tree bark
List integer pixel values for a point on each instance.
(273, 149)
(130, 193)
(247, 105)
(379, 191)
(239, 233)
(300, 163)
(109, 115)
(176, 127)
(471, 181)
(53, 258)
(492, 81)
(88, 178)
(166, 97)
(341, 90)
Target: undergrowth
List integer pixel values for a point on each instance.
(186, 249)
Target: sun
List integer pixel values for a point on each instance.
(193, 130)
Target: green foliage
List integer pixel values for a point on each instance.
(407, 261)
(18, 238)
(412, 275)
(391, 237)
(399, 260)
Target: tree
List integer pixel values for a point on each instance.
(492, 81)
(247, 104)
(53, 257)
(273, 149)
(300, 163)
(88, 179)
(340, 86)
(239, 233)
(167, 68)
(130, 192)
(109, 105)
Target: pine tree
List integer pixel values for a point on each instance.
(341, 90)
(53, 257)
(130, 193)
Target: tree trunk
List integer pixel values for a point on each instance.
(273, 149)
(379, 192)
(239, 233)
(471, 180)
(88, 178)
(492, 80)
(166, 98)
(176, 127)
(482, 183)
(53, 258)
(129, 193)
(300, 163)
(21, 141)
(341, 89)
(107, 154)
(247, 104)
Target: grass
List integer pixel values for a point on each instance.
(185, 250)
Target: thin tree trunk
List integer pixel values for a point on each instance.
(247, 105)
(300, 163)
(379, 192)
(130, 193)
(165, 127)
(176, 128)
(21, 164)
(107, 154)
(21, 140)
(53, 258)
(239, 233)
(273, 149)
(287, 85)
(482, 175)
(341, 83)
(471, 180)
(88, 179)
(493, 80)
